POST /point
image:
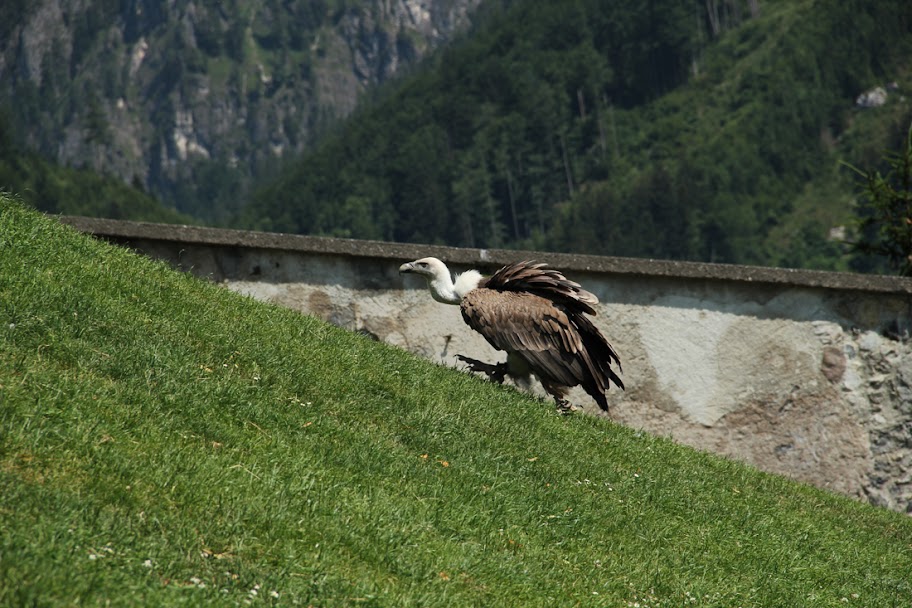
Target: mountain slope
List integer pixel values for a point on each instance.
(55, 189)
(603, 127)
(164, 441)
(193, 99)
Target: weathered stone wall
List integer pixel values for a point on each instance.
(805, 374)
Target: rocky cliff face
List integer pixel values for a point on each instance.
(194, 94)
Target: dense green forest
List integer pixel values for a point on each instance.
(711, 130)
(670, 129)
(55, 189)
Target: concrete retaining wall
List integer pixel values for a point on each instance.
(802, 373)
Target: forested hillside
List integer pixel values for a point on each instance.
(685, 129)
(673, 129)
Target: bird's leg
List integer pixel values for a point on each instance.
(564, 407)
(495, 372)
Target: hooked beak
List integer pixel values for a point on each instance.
(407, 267)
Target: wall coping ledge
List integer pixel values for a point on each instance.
(122, 230)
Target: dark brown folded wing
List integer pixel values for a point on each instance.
(535, 329)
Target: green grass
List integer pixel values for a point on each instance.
(166, 442)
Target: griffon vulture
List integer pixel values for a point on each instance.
(538, 317)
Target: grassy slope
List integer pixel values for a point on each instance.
(164, 441)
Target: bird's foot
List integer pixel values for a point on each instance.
(495, 372)
(564, 407)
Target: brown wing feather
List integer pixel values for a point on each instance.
(546, 282)
(562, 347)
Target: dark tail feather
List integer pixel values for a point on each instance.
(599, 397)
(599, 355)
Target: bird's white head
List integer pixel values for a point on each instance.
(440, 282)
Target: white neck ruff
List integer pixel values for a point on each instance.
(444, 290)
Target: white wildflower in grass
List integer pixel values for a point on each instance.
(147, 563)
(95, 554)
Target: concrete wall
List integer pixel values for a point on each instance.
(802, 373)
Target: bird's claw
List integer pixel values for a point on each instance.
(564, 407)
(496, 372)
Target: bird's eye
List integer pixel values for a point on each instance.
(422, 264)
